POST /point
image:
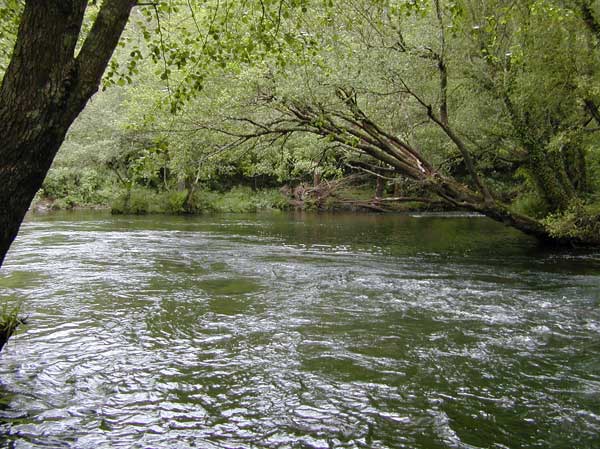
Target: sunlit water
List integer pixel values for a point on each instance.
(283, 331)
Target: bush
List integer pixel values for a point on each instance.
(579, 222)
(70, 187)
(274, 199)
(203, 201)
(173, 202)
(237, 200)
(133, 201)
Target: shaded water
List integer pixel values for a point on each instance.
(282, 331)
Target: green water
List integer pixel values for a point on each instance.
(298, 331)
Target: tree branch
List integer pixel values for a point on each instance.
(464, 151)
(100, 44)
(593, 110)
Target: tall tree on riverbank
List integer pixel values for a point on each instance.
(45, 87)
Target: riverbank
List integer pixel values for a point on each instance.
(326, 197)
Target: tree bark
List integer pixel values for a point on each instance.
(45, 87)
(379, 188)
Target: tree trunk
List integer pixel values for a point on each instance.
(368, 138)
(460, 196)
(379, 188)
(43, 90)
(316, 177)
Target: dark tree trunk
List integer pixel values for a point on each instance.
(43, 90)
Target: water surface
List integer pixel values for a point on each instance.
(298, 331)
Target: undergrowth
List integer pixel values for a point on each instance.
(238, 200)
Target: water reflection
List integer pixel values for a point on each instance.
(304, 331)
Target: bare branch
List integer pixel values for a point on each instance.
(441, 65)
(370, 172)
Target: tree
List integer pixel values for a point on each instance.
(57, 65)
(506, 91)
(46, 85)
(458, 96)
(198, 154)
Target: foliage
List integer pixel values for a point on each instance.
(237, 200)
(531, 204)
(499, 100)
(579, 223)
(83, 187)
(10, 12)
(523, 101)
(243, 199)
(133, 201)
(10, 319)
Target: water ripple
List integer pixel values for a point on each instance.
(298, 332)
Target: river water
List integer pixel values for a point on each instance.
(298, 331)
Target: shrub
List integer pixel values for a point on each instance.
(133, 201)
(173, 202)
(70, 187)
(579, 221)
(237, 200)
(203, 201)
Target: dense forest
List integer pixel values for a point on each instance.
(480, 105)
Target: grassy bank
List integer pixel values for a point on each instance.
(237, 200)
(87, 193)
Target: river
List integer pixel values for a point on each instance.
(298, 331)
